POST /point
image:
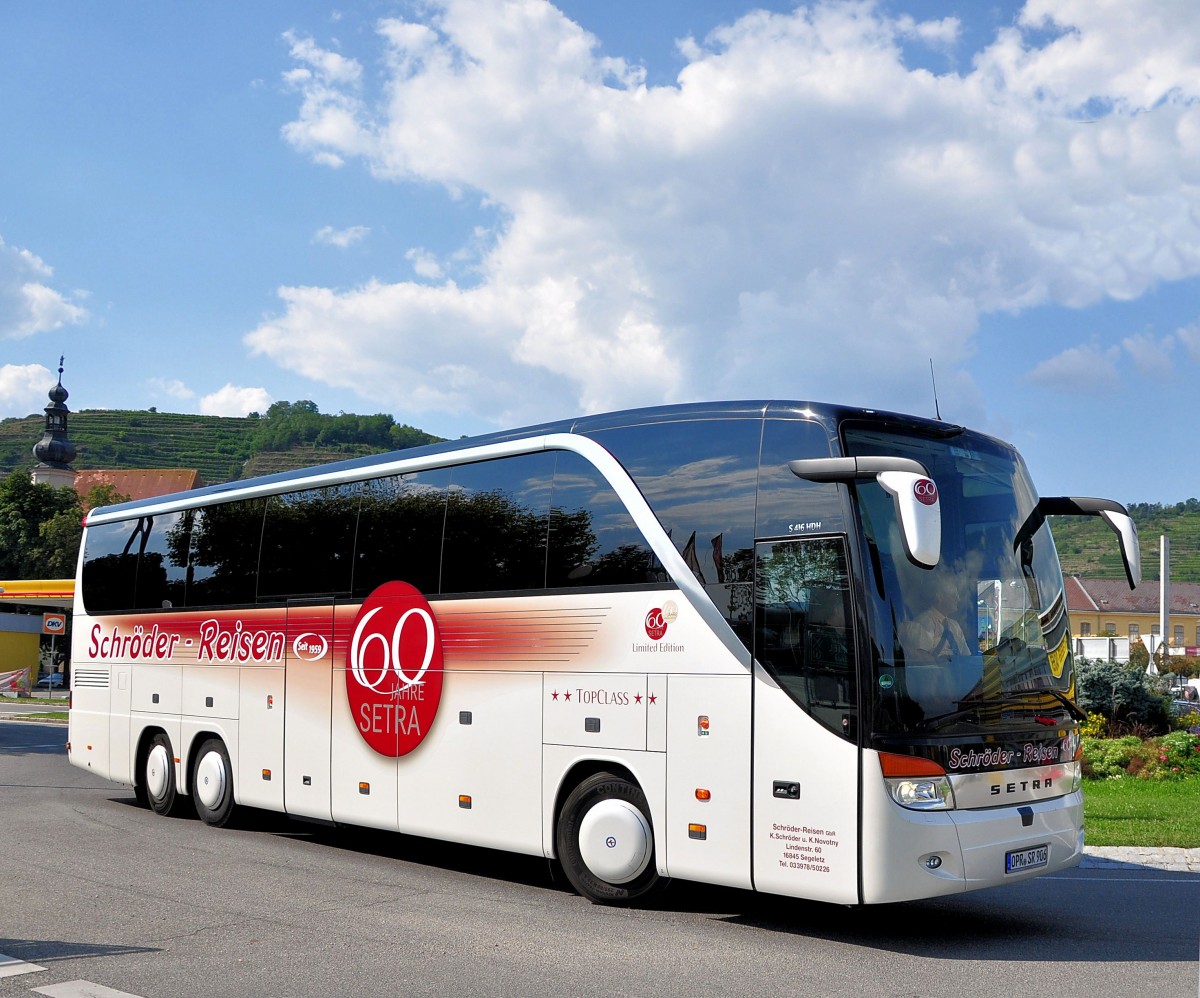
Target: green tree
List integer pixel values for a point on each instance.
(41, 526)
(1139, 657)
(103, 495)
(24, 508)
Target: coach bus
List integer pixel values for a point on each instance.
(791, 647)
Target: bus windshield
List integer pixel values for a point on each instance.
(979, 644)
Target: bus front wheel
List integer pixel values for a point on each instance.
(158, 776)
(212, 783)
(606, 843)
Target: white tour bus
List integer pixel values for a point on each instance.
(798, 648)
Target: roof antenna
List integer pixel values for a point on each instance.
(933, 377)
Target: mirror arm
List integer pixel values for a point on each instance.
(1114, 515)
(852, 469)
(914, 495)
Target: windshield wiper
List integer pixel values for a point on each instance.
(1014, 696)
(953, 715)
(1011, 699)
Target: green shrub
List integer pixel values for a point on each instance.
(1126, 697)
(1171, 757)
(1104, 758)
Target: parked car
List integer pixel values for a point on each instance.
(1181, 708)
(50, 682)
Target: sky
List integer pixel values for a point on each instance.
(480, 214)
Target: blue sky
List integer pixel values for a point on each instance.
(476, 214)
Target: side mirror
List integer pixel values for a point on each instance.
(1114, 514)
(913, 492)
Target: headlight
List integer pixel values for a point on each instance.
(926, 794)
(917, 783)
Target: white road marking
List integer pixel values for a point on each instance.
(81, 989)
(10, 966)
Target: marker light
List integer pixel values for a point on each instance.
(703, 794)
(916, 783)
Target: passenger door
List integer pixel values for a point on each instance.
(806, 760)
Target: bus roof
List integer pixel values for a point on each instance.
(749, 409)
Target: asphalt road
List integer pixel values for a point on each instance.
(101, 892)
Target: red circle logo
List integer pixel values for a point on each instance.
(656, 624)
(925, 491)
(394, 669)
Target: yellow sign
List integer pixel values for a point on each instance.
(1058, 657)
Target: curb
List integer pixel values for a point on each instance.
(1140, 858)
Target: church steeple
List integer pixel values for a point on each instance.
(54, 451)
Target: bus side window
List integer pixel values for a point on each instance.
(110, 563)
(162, 571)
(400, 525)
(803, 632)
(593, 539)
(223, 560)
(497, 514)
(789, 506)
(308, 543)
(699, 476)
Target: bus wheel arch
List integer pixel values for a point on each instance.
(604, 836)
(212, 780)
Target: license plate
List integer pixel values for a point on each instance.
(1026, 859)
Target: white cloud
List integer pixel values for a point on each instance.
(172, 387)
(940, 34)
(425, 264)
(1149, 355)
(1081, 370)
(800, 214)
(24, 388)
(330, 115)
(1189, 336)
(235, 401)
(28, 305)
(341, 238)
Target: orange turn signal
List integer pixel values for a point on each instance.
(908, 765)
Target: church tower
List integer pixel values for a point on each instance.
(54, 451)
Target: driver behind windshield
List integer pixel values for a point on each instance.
(935, 631)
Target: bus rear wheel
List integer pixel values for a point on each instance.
(158, 776)
(212, 783)
(606, 843)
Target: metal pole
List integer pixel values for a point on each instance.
(1164, 595)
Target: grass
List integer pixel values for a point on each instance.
(1133, 812)
(34, 700)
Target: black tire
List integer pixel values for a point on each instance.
(212, 783)
(636, 877)
(158, 776)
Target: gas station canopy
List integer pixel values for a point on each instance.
(38, 592)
